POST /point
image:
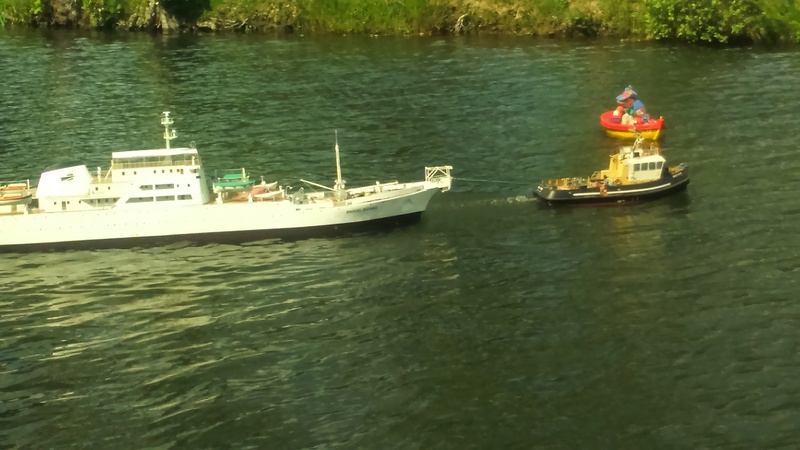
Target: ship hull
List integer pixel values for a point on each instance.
(223, 223)
(224, 237)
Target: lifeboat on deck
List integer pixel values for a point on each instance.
(18, 193)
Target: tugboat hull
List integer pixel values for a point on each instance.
(668, 184)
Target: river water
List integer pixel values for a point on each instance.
(493, 323)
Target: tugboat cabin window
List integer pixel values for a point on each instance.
(654, 165)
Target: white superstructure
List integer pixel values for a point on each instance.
(640, 164)
(165, 193)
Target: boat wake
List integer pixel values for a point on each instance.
(517, 199)
(472, 201)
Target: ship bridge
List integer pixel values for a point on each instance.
(137, 164)
(139, 159)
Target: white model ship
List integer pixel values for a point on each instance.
(164, 194)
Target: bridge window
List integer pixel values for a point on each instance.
(140, 199)
(659, 165)
(652, 165)
(146, 187)
(165, 198)
(184, 197)
(165, 186)
(636, 167)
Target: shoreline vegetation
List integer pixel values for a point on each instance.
(729, 22)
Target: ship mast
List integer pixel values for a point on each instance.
(169, 135)
(339, 190)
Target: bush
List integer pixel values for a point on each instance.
(705, 21)
(101, 13)
(713, 21)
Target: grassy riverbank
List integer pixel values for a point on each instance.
(712, 21)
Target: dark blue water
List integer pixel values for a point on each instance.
(493, 323)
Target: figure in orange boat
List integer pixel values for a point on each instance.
(631, 108)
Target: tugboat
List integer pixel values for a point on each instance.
(634, 173)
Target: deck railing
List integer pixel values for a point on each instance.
(437, 172)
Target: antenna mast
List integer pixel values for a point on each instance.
(339, 190)
(339, 184)
(169, 135)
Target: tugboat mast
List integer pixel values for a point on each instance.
(169, 135)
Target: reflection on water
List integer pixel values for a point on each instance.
(493, 323)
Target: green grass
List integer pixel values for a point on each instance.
(702, 21)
